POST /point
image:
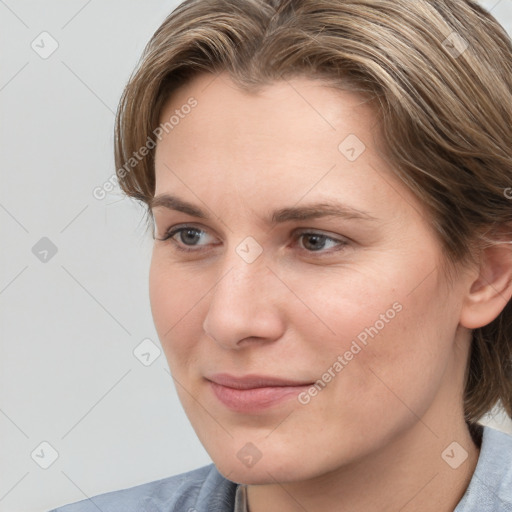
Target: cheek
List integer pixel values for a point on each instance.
(403, 365)
(175, 303)
(163, 298)
(346, 305)
(391, 336)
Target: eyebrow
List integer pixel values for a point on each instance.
(295, 213)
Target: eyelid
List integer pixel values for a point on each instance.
(296, 234)
(327, 234)
(341, 241)
(185, 225)
(179, 246)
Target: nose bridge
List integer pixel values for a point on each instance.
(244, 302)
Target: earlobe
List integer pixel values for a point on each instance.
(491, 290)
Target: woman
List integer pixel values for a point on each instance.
(329, 186)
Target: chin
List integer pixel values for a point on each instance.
(260, 474)
(263, 468)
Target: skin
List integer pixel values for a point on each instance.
(373, 438)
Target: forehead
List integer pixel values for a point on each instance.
(283, 122)
(304, 106)
(292, 140)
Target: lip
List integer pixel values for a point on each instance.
(253, 393)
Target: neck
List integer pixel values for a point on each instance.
(409, 474)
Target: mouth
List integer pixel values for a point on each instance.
(253, 393)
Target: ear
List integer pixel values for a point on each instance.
(491, 290)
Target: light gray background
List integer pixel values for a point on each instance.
(69, 325)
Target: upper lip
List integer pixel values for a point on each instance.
(253, 381)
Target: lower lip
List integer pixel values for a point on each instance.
(254, 399)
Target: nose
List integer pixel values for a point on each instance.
(246, 305)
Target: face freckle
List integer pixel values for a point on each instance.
(359, 328)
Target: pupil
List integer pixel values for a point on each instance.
(316, 241)
(190, 235)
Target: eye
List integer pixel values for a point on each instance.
(186, 237)
(319, 242)
(194, 239)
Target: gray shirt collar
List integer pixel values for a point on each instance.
(241, 498)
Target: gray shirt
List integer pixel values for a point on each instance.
(206, 490)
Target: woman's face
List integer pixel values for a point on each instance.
(302, 307)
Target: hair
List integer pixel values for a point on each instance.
(440, 74)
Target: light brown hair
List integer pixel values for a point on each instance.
(440, 73)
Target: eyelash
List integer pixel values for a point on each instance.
(171, 232)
